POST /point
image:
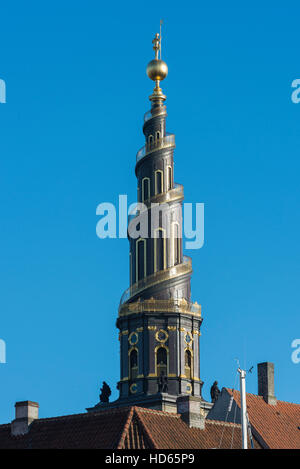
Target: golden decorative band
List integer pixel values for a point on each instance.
(152, 305)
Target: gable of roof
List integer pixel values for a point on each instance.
(123, 428)
(274, 426)
(98, 430)
(169, 431)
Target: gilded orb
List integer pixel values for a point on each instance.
(157, 70)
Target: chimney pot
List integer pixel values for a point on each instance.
(26, 412)
(265, 374)
(191, 411)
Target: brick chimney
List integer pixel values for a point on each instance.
(265, 374)
(26, 412)
(191, 412)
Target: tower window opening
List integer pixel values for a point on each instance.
(130, 269)
(188, 364)
(159, 179)
(141, 262)
(145, 189)
(162, 361)
(170, 181)
(133, 361)
(150, 141)
(176, 244)
(159, 250)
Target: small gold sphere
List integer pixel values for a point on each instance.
(157, 70)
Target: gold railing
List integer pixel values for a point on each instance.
(153, 305)
(159, 111)
(172, 272)
(170, 196)
(164, 197)
(164, 142)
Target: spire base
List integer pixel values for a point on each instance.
(157, 95)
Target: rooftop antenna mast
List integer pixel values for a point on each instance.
(243, 408)
(246, 428)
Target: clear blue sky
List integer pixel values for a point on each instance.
(76, 95)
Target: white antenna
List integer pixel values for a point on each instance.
(244, 417)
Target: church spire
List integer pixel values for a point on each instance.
(159, 325)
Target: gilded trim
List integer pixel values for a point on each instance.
(189, 391)
(190, 336)
(166, 336)
(133, 388)
(130, 338)
(151, 305)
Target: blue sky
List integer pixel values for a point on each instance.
(76, 95)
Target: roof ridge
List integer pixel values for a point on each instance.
(157, 411)
(261, 397)
(125, 428)
(221, 422)
(85, 414)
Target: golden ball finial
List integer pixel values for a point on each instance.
(157, 70)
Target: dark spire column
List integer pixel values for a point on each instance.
(159, 326)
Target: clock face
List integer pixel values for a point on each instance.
(188, 338)
(161, 335)
(133, 338)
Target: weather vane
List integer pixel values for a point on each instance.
(157, 43)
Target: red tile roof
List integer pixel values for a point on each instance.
(123, 428)
(278, 424)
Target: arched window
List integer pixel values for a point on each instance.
(188, 364)
(130, 269)
(133, 364)
(157, 135)
(159, 250)
(141, 261)
(176, 243)
(150, 141)
(145, 189)
(161, 361)
(170, 179)
(159, 182)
